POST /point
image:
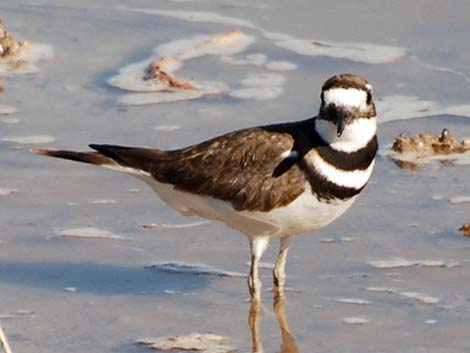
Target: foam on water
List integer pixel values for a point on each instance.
(200, 342)
(6, 110)
(193, 16)
(167, 128)
(195, 269)
(263, 80)
(29, 140)
(281, 66)
(355, 51)
(10, 121)
(355, 320)
(400, 107)
(356, 301)
(158, 97)
(103, 201)
(259, 60)
(175, 53)
(400, 262)
(459, 199)
(89, 232)
(6, 191)
(259, 93)
(418, 296)
(176, 226)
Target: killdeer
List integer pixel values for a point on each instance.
(273, 181)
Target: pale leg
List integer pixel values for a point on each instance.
(257, 246)
(279, 272)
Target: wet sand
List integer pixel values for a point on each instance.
(62, 292)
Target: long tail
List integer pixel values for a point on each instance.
(109, 156)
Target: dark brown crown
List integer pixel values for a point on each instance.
(347, 81)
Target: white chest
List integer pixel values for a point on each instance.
(305, 214)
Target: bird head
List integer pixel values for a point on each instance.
(347, 110)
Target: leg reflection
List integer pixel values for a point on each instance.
(253, 321)
(288, 344)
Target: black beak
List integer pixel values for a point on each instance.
(340, 123)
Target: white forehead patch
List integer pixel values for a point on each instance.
(346, 97)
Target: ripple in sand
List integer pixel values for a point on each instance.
(89, 232)
(200, 342)
(355, 320)
(459, 199)
(7, 110)
(175, 225)
(195, 269)
(355, 301)
(167, 128)
(363, 52)
(259, 60)
(355, 51)
(400, 262)
(6, 191)
(29, 140)
(103, 202)
(259, 93)
(420, 297)
(399, 107)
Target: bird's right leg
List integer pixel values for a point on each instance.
(258, 245)
(279, 271)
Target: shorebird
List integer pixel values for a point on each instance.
(273, 181)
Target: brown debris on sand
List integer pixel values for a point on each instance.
(465, 229)
(410, 152)
(160, 69)
(8, 46)
(220, 39)
(157, 71)
(430, 144)
(206, 343)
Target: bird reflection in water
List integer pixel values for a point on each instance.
(288, 344)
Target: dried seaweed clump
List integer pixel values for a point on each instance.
(465, 229)
(221, 39)
(200, 342)
(413, 150)
(161, 68)
(8, 46)
(430, 144)
(157, 70)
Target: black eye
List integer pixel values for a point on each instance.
(369, 97)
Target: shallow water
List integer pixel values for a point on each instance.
(422, 72)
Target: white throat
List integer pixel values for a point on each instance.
(354, 137)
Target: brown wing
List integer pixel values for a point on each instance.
(238, 167)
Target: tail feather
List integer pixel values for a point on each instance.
(132, 157)
(110, 156)
(95, 158)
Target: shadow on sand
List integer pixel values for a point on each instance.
(98, 278)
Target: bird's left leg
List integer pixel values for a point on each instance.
(279, 272)
(258, 245)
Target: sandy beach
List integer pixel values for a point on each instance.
(84, 251)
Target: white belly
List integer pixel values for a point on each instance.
(303, 215)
